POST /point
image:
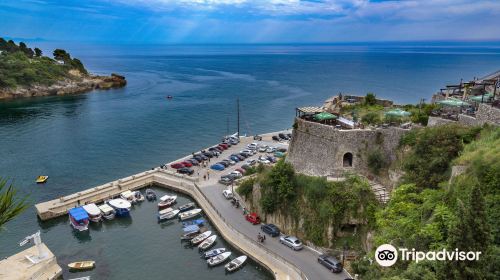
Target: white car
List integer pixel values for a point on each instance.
(264, 160)
(228, 194)
(252, 146)
(271, 150)
(263, 149)
(251, 162)
(236, 174)
(292, 242)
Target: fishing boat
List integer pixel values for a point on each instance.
(107, 211)
(82, 265)
(79, 219)
(214, 252)
(129, 196)
(166, 201)
(138, 196)
(41, 179)
(189, 214)
(198, 222)
(236, 263)
(209, 242)
(199, 238)
(213, 261)
(186, 206)
(93, 211)
(167, 215)
(150, 195)
(121, 206)
(190, 235)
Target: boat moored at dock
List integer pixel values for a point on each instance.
(166, 201)
(82, 265)
(167, 215)
(236, 263)
(150, 195)
(129, 196)
(187, 206)
(199, 238)
(213, 261)
(121, 206)
(107, 211)
(214, 252)
(189, 214)
(93, 211)
(138, 196)
(207, 243)
(79, 219)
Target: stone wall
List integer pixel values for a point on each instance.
(488, 114)
(435, 121)
(320, 150)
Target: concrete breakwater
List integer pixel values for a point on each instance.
(281, 268)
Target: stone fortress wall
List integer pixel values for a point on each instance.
(322, 150)
(485, 114)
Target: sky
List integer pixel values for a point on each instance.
(250, 21)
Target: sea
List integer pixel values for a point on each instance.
(85, 140)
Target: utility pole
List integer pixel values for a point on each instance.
(238, 110)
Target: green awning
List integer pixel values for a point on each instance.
(397, 113)
(481, 98)
(324, 116)
(453, 102)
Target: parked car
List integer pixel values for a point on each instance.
(225, 163)
(257, 137)
(264, 160)
(208, 154)
(218, 167)
(240, 157)
(225, 180)
(251, 162)
(271, 150)
(245, 166)
(276, 138)
(230, 162)
(187, 163)
(177, 165)
(185, 170)
(241, 170)
(236, 174)
(271, 159)
(224, 146)
(282, 136)
(283, 150)
(228, 194)
(204, 157)
(263, 149)
(279, 154)
(252, 146)
(331, 263)
(291, 241)
(245, 155)
(270, 229)
(253, 218)
(234, 158)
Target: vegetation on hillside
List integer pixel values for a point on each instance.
(428, 214)
(10, 205)
(23, 66)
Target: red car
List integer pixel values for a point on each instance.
(186, 164)
(177, 165)
(223, 146)
(241, 170)
(253, 218)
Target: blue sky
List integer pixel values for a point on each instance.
(250, 21)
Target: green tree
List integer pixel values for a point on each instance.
(38, 52)
(10, 205)
(61, 54)
(371, 118)
(370, 99)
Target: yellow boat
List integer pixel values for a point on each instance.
(82, 265)
(41, 179)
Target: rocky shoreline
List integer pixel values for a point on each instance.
(76, 85)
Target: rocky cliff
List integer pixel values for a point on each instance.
(76, 83)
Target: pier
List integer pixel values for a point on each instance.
(19, 267)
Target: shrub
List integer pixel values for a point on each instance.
(371, 118)
(246, 188)
(370, 99)
(376, 161)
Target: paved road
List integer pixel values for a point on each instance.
(305, 260)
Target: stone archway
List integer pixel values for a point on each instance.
(347, 160)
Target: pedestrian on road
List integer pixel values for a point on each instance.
(204, 177)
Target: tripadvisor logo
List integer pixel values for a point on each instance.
(387, 255)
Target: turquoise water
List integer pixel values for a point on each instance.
(86, 140)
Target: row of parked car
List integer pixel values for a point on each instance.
(282, 137)
(204, 155)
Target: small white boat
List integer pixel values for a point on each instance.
(167, 215)
(207, 243)
(166, 201)
(93, 211)
(121, 206)
(199, 238)
(138, 196)
(214, 252)
(189, 214)
(129, 196)
(187, 206)
(150, 195)
(107, 211)
(213, 261)
(236, 263)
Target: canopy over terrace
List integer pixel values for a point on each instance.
(324, 116)
(397, 113)
(307, 111)
(482, 98)
(453, 102)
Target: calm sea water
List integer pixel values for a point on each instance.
(85, 140)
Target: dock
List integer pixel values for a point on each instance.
(19, 267)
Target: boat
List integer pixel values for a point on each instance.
(41, 179)
(189, 214)
(198, 222)
(214, 252)
(82, 265)
(189, 235)
(207, 243)
(213, 261)
(150, 195)
(81, 278)
(187, 206)
(129, 196)
(93, 211)
(121, 206)
(79, 219)
(138, 196)
(167, 215)
(166, 201)
(107, 211)
(200, 237)
(236, 263)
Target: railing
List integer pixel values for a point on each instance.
(253, 242)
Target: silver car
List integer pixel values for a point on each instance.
(292, 242)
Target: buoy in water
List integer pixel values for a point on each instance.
(169, 97)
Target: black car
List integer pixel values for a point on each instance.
(270, 229)
(198, 158)
(245, 155)
(282, 136)
(257, 137)
(224, 163)
(289, 135)
(283, 150)
(225, 180)
(208, 154)
(276, 138)
(193, 161)
(185, 170)
(245, 166)
(331, 263)
(240, 157)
